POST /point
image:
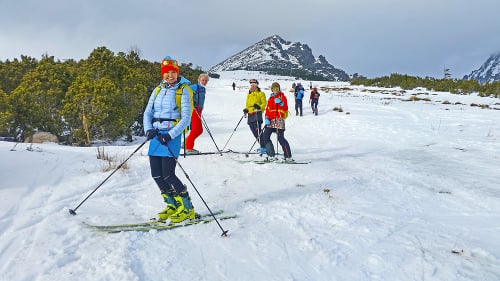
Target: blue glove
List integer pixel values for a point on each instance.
(164, 138)
(267, 122)
(151, 133)
(277, 100)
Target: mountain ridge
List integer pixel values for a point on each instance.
(274, 55)
(488, 72)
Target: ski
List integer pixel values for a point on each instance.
(279, 161)
(240, 152)
(202, 153)
(162, 226)
(216, 152)
(152, 222)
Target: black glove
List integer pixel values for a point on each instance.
(245, 110)
(151, 133)
(256, 106)
(164, 138)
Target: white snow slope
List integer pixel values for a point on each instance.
(396, 190)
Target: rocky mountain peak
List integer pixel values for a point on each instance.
(274, 55)
(488, 72)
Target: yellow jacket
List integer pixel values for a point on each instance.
(256, 97)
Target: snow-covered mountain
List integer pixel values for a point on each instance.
(488, 72)
(274, 55)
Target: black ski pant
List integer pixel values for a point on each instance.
(298, 107)
(255, 127)
(268, 144)
(314, 105)
(163, 172)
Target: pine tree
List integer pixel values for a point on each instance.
(36, 102)
(5, 113)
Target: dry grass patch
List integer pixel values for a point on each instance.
(111, 162)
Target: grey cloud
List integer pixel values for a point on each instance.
(373, 38)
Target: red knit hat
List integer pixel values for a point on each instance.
(169, 64)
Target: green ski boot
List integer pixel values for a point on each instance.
(184, 209)
(170, 209)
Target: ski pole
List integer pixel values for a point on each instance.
(233, 131)
(224, 232)
(14, 147)
(208, 130)
(258, 138)
(184, 136)
(73, 211)
(277, 137)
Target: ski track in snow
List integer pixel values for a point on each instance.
(396, 191)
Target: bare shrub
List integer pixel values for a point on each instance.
(413, 98)
(101, 154)
(112, 162)
(339, 109)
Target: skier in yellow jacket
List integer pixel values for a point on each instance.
(256, 102)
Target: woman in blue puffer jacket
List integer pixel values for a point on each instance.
(163, 124)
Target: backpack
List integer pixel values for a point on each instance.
(315, 95)
(300, 94)
(178, 100)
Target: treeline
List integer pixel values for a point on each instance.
(98, 98)
(455, 86)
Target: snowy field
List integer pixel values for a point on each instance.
(396, 190)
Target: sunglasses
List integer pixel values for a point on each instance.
(170, 62)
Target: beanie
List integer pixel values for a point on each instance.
(275, 85)
(169, 64)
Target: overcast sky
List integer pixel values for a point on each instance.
(370, 37)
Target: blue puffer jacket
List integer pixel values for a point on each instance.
(163, 106)
(199, 95)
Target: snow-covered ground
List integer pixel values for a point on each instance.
(397, 190)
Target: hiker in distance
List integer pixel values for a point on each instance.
(299, 95)
(167, 114)
(313, 100)
(256, 102)
(199, 91)
(276, 113)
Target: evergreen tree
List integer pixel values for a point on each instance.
(108, 95)
(12, 72)
(101, 97)
(5, 113)
(36, 102)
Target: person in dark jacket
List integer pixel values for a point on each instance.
(299, 95)
(164, 120)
